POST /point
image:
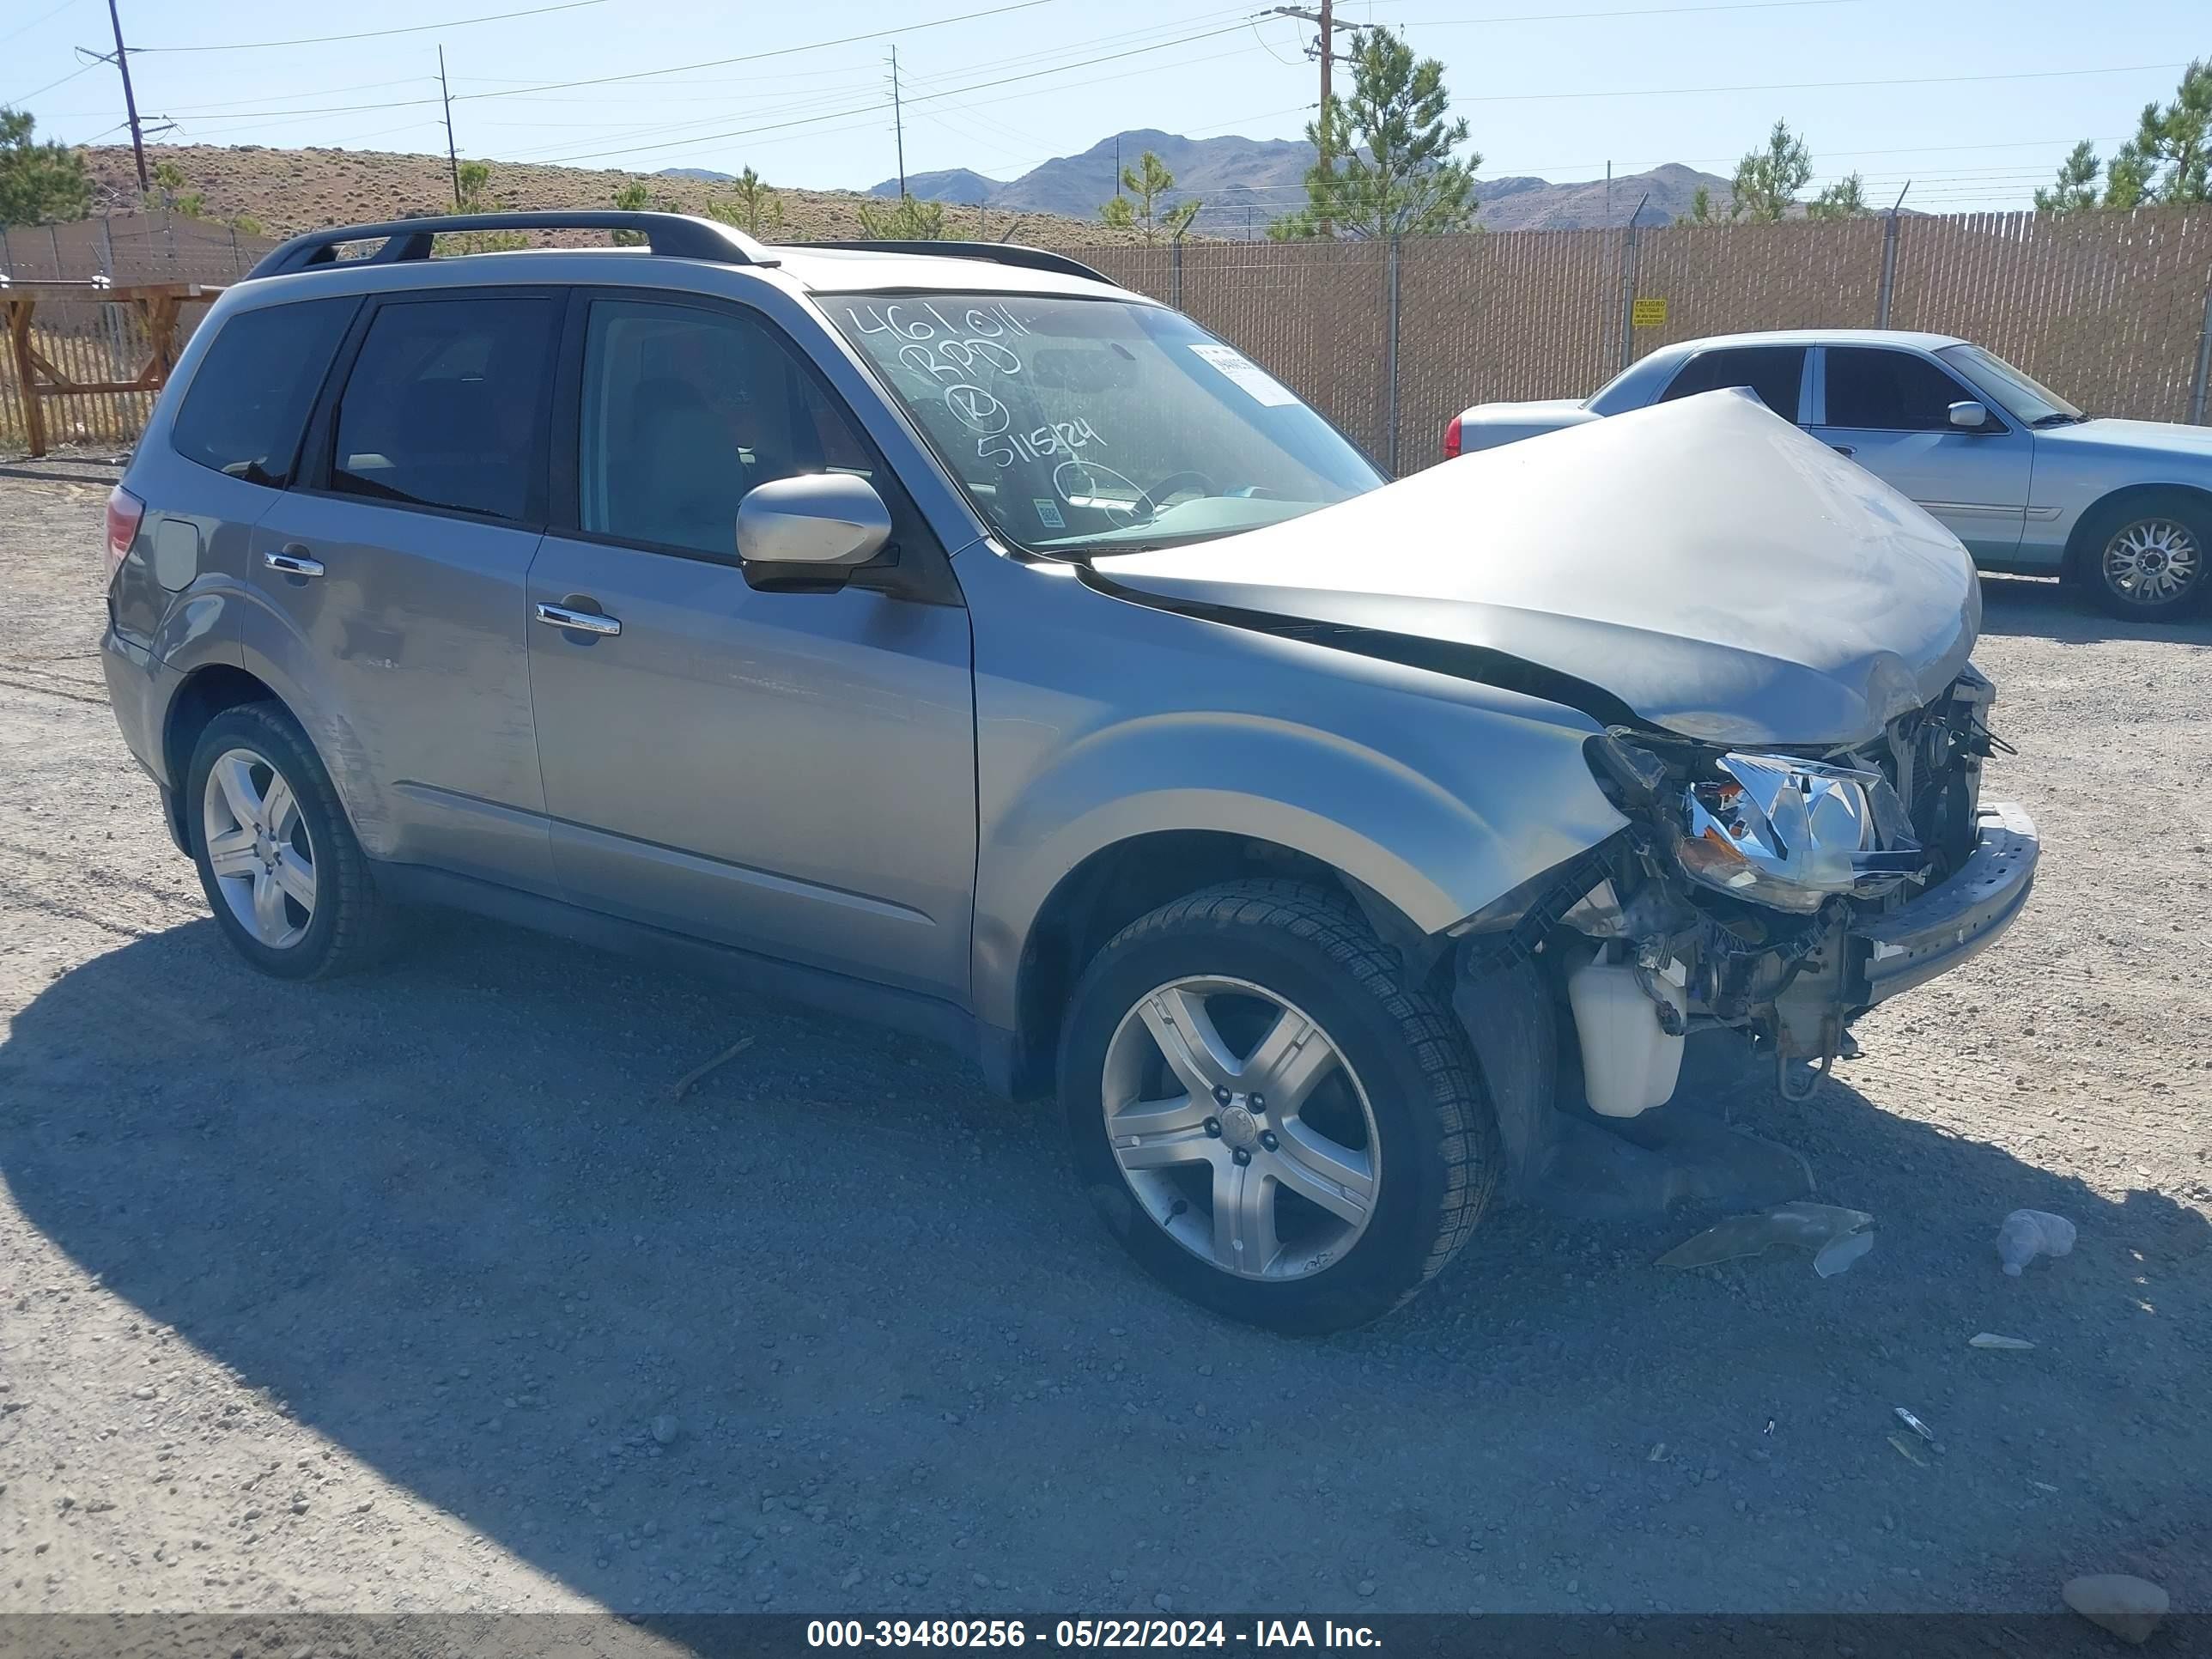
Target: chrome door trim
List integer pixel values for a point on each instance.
(580, 622)
(1973, 509)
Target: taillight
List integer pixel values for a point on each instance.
(125, 510)
(1451, 438)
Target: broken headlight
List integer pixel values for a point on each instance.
(1788, 833)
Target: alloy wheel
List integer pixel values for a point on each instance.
(2152, 561)
(1241, 1127)
(258, 848)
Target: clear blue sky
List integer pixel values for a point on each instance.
(1555, 88)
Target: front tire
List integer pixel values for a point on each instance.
(1268, 1115)
(2145, 560)
(283, 873)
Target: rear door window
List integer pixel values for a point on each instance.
(247, 405)
(1773, 373)
(446, 406)
(1884, 390)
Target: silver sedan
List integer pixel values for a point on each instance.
(2027, 481)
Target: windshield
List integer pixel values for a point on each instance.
(1081, 426)
(2025, 397)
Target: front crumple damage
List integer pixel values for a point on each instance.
(1647, 947)
(1777, 647)
(1702, 564)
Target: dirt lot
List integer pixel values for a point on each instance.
(415, 1292)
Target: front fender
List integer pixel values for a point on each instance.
(1100, 721)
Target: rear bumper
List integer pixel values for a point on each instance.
(139, 688)
(1945, 925)
(135, 685)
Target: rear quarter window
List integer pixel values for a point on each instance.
(1773, 372)
(247, 405)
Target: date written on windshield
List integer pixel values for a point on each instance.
(1059, 438)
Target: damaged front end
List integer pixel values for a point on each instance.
(1776, 894)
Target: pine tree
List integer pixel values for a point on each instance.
(1845, 200)
(1398, 175)
(1141, 208)
(2074, 190)
(1767, 181)
(38, 181)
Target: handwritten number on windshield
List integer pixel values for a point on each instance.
(960, 358)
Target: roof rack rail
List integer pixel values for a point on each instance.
(675, 235)
(998, 253)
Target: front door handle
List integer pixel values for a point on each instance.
(293, 562)
(581, 622)
(1844, 450)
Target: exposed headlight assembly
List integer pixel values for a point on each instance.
(1788, 833)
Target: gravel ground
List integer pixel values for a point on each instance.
(415, 1293)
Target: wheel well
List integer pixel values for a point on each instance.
(2077, 544)
(1115, 885)
(199, 700)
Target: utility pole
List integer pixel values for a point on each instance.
(898, 122)
(130, 103)
(453, 156)
(1117, 164)
(1325, 45)
(1323, 48)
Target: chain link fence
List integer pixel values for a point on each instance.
(1390, 339)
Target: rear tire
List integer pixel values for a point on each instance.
(2145, 558)
(1335, 1109)
(277, 858)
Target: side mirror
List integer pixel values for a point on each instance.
(816, 528)
(1969, 416)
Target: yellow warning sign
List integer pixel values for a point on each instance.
(1649, 314)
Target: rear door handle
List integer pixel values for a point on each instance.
(1844, 450)
(293, 562)
(581, 621)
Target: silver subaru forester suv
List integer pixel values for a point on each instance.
(943, 635)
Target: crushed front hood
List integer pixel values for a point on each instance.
(1717, 572)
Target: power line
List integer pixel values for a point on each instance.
(374, 34)
(1641, 11)
(1545, 168)
(317, 92)
(525, 89)
(685, 132)
(82, 68)
(1811, 86)
(779, 51)
(953, 92)
(25, 29)
(241, 108)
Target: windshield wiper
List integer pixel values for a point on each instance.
(2056, 417)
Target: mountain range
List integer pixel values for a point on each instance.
(1245, 182)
